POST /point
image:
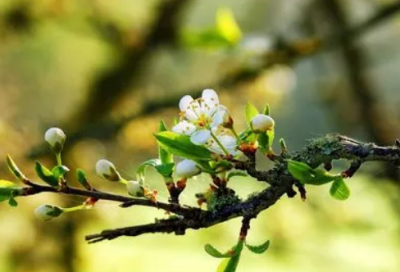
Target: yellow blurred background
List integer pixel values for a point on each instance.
(106, 72)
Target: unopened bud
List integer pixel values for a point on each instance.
(187, 169)
(55, 137)
(107, 170)
(48, 212)
(261, 123)
(135, 188)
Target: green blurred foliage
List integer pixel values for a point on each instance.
(50, 53)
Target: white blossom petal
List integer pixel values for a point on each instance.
(200, 137)
(184, 127)
(210, 102)
(184, 103)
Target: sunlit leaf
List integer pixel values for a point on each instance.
(212, 251)
(258, 249)
(59, 171)
(339, 189)
(6, 189)
(164, 155)
(227, 25)
(180, 145)
(251, 112)
(222, 266)
(12, 166)
(45, 174)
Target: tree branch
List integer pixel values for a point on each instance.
(317, 152)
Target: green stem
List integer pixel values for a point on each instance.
(236, 135)
(58, 158)
(123, 181)
(73, 209)
(220, 144)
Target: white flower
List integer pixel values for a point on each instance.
(228, 142)
(187, 169)
(135, 188)
(107, 170)
(199, 116)
(48, 212)
(261, 123)
(56, 138)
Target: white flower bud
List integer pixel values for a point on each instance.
(135, 188)
(55, 137)
(48, 212)
(261, 123)
(187, 169)
(107, 170)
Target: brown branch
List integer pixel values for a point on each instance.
(317, 152)
(34, 189)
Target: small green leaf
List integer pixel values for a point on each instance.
(258, 249)
(165, 170)
(307, 175)
(59, 171)
(266, 110)
(82, 179)
(14, 169)
(212, 251)
(164, 155)
(12, 202)
(141, 171)
(45, 174)
(271, 137)
(180, 145)
(339, 189)
(236, 173)
(251, 112)
(8, 189)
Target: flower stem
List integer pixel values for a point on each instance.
(73, 209)
(236, 135)
(58, 158)
(220, 144)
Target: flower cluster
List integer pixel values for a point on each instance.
(203, 119)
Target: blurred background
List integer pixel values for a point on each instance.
(106, 72)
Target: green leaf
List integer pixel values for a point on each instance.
(141, 171)
(164, 155)
(237, 173)
(6, 189)
(229, 265)
(339, 189)
(82, 179)
(180, 145)
(212, 251)
(251, 112)
(271, 137)
(59, 171)
(258, 249)
(227, 26)
(307, 175)
(165, 170)
(45, 174)
(14, 169)
(266, 110)
(12, 202)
